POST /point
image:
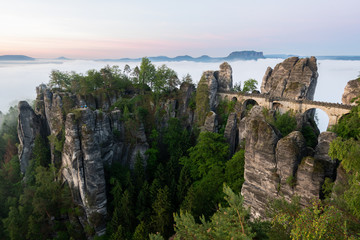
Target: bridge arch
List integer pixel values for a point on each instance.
(247, 105)
(321, 118)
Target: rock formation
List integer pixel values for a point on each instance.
(231, 133)
(278, 167)
(293, 78)
(93, 139)
(211, 122)
(351, 91)
(29, 127)
(225, 77)
(261, 179)
(290, 150)
(216, 81)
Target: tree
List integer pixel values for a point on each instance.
(286, 123)
(166, 79)
(187, 78)
(162, 219)
(147, 72)
(234, 171)
(210, 151)
(231, 222)
(250, 85)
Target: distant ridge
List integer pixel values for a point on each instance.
(16, 58)
(237, 55)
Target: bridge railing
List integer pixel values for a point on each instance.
(299, 101)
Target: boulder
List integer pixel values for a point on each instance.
(351, 91)
(293, 78)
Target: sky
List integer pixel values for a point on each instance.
(89, 29)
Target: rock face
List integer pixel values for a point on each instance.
(309, 180)
(293, 78)
(93, 139)
(211, 122)
(321, 154)
(261, 180)
(231, 133)
(281, 167)
(209, 77)
(351, 91)
(29, 127)
(89, 145)
(290, 150)
(186, 98)
(225, 77)
(217, 81)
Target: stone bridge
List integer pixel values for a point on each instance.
(333, 110)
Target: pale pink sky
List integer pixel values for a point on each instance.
(116, 29)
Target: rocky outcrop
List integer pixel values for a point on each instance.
(293, 78)
(351, 91)
(209, 78)
(186, 104)
(321, 154)
(211, 122)
(225, 77)
(93, 139)
(217, 81)
(231, 133)
(309, 180)
(30, 125)
(289, 152)
(261, 179)
(277, 166)
(90, 145)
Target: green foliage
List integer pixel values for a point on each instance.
(223, 110)
(41, 208)
(162, 218)
(291, 181)
(234, 171)
(57, 140)
(310, 136)
(187, 79)
(210, 151)
(237, 87)
(346, 148)
(202, 101)
(106, 80)
(318, 221)
(349, 125)
(249, 85)
(227, 223)
(147, 72)
(286, 123)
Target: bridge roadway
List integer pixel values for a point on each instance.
(333, 110)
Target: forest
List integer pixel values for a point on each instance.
(188, 187)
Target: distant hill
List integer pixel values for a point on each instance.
(63, 58)
(238, 55)
(16, 58)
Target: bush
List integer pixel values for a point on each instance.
(286, 123)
